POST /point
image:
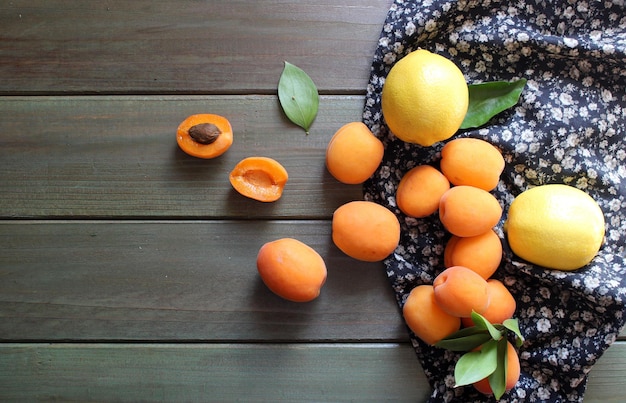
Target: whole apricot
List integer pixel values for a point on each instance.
(501, 304)
(481, 253)
(513, 372)
(291, 269)
(472, 162)
(469, 211)
(425, 318)
(420, 191)
(365, 230)
(353, 153)
(204, 135)
(259, 178)
(459, 291)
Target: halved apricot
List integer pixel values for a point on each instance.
(259, 178)
(205, 135)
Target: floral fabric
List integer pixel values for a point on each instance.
(568, 127)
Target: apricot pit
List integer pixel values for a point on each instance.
(204, 135)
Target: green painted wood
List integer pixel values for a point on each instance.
(606, 379)
(185, 46)
(213, 372)
(179, 281)
(97, 156)
(238, 372)
(183, 271)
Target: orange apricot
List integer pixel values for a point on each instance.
(512, 371)
(205, 135)
(481, 253)
(420, 190)
(365, 230)
(447, 252)
(353, 153)
(259, 178)
(472, 162)
(425, 318)
(459, 291)
(469, 211)
(291, 269)
(501, 304)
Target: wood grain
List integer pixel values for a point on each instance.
(238, 372)
(179, 281)
(127, 268)
(88, 157)
(185, 46)
(211, 372)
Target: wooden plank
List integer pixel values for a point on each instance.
(185, 47)
(117, 157)
(606, 379)
(179, 281)
(241, 372)
(210, 372)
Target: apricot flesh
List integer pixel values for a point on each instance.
(259, 178)
(215, 148)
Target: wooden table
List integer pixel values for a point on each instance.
(127, 268)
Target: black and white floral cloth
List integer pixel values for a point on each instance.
(568, 127)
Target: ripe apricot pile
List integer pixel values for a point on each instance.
(460, 192)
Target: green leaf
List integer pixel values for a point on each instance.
(488, 99)
(497, 380)
(465, 339)
(476, 365)
(298, 96)
(513, 325)
(482, 323)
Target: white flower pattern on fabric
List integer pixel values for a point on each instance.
(569, 127)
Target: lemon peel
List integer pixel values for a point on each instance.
(555, 226)
(425, 98)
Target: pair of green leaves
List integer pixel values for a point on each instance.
(490, 361)
(299, 98)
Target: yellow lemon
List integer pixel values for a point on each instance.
(555, 226)
(424, 98)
